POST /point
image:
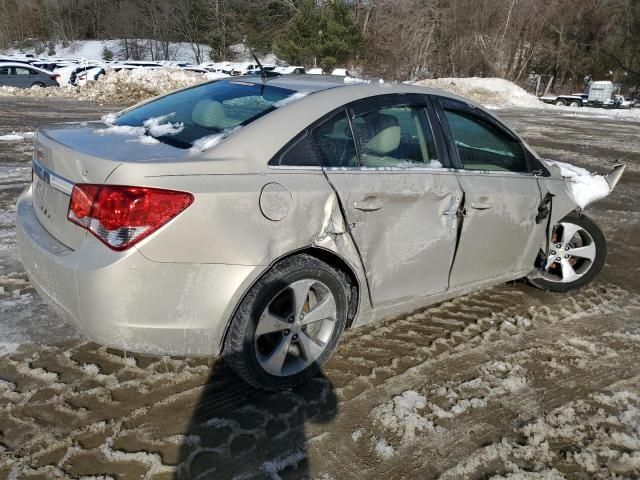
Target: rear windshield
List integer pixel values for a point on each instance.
(203, 111)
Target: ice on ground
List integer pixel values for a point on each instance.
(17, 136)
(490, 92)
(383, 449)
(584, 186)
(402, 415)
(274, 466)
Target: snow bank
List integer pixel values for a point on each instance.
(123, 86)
(584, 186)
(490, 92)
(16, 136)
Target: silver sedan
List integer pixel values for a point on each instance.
(23, 75)
(259, 219)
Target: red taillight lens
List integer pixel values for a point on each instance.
(121, 216)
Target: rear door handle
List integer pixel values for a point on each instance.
(368, 205)
(480, 206)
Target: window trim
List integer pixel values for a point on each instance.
(483, 117)
(368, 104)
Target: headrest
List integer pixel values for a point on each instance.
(209, 114)
(380, 134)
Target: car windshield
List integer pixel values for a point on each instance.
(183, 118)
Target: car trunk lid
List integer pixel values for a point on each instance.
(81, 153)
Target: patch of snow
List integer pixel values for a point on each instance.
(272, 467)
(120, 130)
(357, 434)
(91, 369)
(584, 186)
(290, 99)
(109, 119)
(383, 449)
(144, 139)
(210, 141)
(159, 126)
(17, 136)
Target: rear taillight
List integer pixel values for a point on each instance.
(121, 216)
(55, 77)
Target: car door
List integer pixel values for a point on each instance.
(21, 77)
(5, 78)
(381, 157)
(499, 235)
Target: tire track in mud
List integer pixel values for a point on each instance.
(65, 405)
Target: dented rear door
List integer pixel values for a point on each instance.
(401, 211)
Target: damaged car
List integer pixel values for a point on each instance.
(258, 219)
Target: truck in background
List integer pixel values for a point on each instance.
(599, 94)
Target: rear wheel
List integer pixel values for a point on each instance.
(561, 103)
(289, 324)
(575, 103)
(38, 84)
(577, 252)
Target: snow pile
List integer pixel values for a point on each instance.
(126, 86)
(402, 416)
(584, 186)
(490, 92)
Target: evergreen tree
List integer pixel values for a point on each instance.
(300, 43)
(341, 39)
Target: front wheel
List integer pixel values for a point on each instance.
(289, 324)
(576, 254)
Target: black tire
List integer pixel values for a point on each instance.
(575, 103)
(561, 103)
(598, 262)
(38, 84)
(239, 350)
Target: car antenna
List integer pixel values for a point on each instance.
(263, 73)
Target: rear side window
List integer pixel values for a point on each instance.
(22, 71)
(207, 109)
(482, 146)
(335, 142)
(397, 136)
(298, 153)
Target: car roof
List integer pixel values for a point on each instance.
(316, 83)
(24, 65)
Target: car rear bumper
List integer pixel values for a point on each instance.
(123, 300)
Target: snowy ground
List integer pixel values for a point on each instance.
(509, 383)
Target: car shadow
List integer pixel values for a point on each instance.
(239, 431)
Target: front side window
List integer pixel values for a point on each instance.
(208, 109)
(335, 142)
(397, 136)
(482, 146)
(4, 70)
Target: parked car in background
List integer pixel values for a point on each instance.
(267, 216)
(291, 70)
(315, 71)
(26, 76)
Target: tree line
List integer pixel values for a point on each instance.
(566, 41)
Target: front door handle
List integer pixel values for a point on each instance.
(368, 205)
(480, 206)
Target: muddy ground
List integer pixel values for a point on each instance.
(510, 382)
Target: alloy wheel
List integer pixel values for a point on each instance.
(295, 328)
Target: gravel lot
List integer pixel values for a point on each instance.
(510, 382)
